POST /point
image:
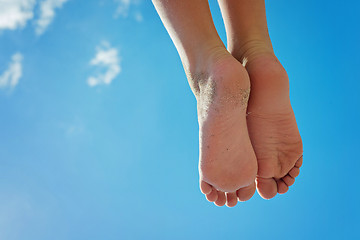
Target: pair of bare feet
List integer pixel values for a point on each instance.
(249, 138)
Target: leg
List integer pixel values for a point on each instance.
(271, 122)
(227, 162)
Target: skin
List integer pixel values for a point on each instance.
(227, 162)
(232, 127)
(271, 121)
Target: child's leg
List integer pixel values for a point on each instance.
(221, 87)
(271, 122)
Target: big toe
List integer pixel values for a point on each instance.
(267, 187)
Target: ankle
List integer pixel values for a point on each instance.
(247, 51)
(266, 73)
(203, 63)
(195, 53)
(224, 82)
(199, 59)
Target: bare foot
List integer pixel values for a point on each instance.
(271, 122)
(227, 163)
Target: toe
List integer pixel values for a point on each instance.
(212, 196)
(246, 193)
(231, 199)
(288, 180)
(299, 162)
(205, 187)
(294, 172)
(221, 200)
(281, 186)
(267, 187)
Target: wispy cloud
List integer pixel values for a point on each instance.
(47, 14)
(106, 57)
(15, 13)
(10, 78)
(73, 127)
(138, 17)
(123, 9)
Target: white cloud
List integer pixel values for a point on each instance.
(123, 9)
(10, 78)
(15, 13)
(73, 127)
(138, 17)
(47, 14)
(106, 57)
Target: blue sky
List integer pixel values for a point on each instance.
(99, 134)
